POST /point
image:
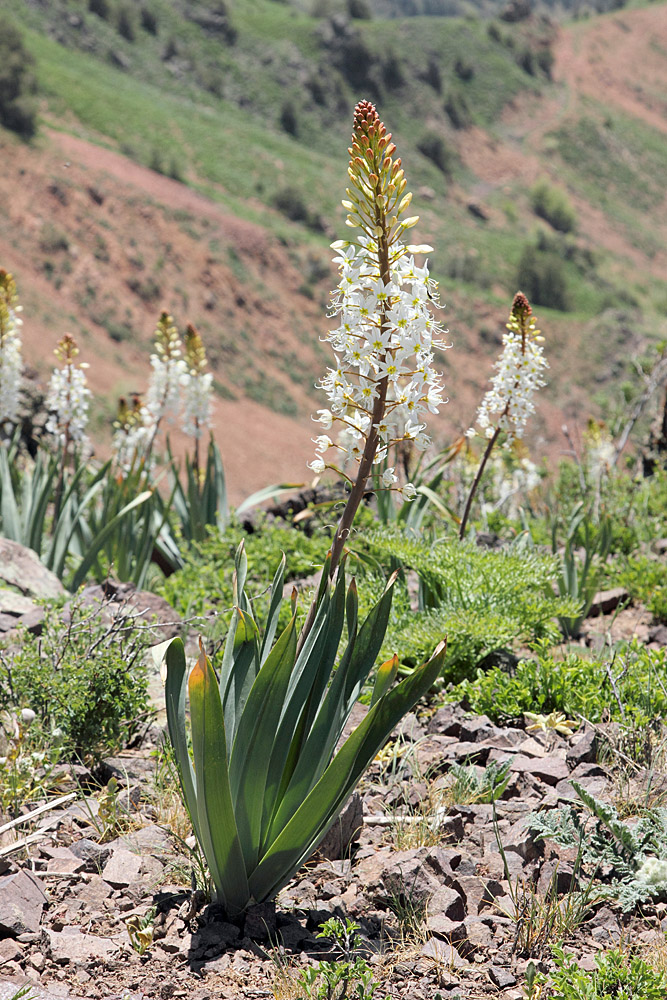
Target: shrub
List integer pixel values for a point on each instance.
(464, 70)
(552, 204)
(83, 676)
(435, 149)
(575, 684)
(290, 202)
(149, 21)
(457, 109)
(484, 601)
(542, 277)
(125, 23)
(18, 111)
(288, 119)
(359, 10)
(100, 7)
(617, 975)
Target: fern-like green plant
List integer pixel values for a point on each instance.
(483, 600)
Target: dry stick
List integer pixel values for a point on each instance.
(20, 844)
(476, 481)
(37, 812)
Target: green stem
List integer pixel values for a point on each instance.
(476, 481)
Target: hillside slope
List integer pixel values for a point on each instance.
(100, 243)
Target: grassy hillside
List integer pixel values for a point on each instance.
(525, 170)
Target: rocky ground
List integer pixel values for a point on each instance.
(101, 877)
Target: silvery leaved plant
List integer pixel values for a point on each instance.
(10, 351)
(264, 781)
(384, 381)
(67, 398)
(510, 400)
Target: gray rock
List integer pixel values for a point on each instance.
(10, 950)
(658, 635)
(21, 568)
(446, 902)
(22, 900)
(260, 922)
(14, 604)
(443, 952)
(583, 749)
(122, 868)
(10, 987)
(606, 601)
(502, 978)
(72, 945)
(95, 855)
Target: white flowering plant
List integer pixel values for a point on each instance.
(10, 352)
(510, 400)
(264, 783)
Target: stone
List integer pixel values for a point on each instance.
(606, 601)
(151, 838)
(658, 635)
(22, 900)
(214, 938)
(94, 893)
(443, 952)
(122, 868)
(95, 855)
(502, 978)
(14, 604)
(559, 872)
(10, 950)
(409, 728)
(71, 945)
(10, 987)
(520, 840)
(344, 831)
(446, 902)
(479, 936)
(549, 769)
(583, 749)
(21, 568)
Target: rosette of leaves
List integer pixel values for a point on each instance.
(263, 784)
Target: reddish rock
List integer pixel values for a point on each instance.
(22, 900)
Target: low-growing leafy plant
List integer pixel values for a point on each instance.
(350, 975)
(635, 854)
(578, 577)
(574, 685)
(29, 760)
(645, 580)
(618, 974)
(467, 787)
(83, 676)
(482, 600)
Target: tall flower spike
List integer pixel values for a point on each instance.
(10, 351)
(68, 396)
(383, 381)
(197, 386)
(519, 375)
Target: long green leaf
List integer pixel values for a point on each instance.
(249, 762)
(214, 801)
(303, 832)
(99, 539)
(175, 686)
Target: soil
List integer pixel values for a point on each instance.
(99, 245)
(427, 883)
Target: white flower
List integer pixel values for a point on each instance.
(389, 477)
(509, 402)
(27, 716)
(67, 398)
(197, 391)
(317, 465)
(653, 873)
(10, 351)
(409, 491)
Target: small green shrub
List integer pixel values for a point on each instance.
(572, 685)
(83, 678)
(645, 580)
(541, 274)
(618, 974)
(552, 204)
(483, 601)
(18, 110)
(435, 149)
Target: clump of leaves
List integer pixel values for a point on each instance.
(573, 685)
(631, 857)
(84, 677)
(618, 974)
(348, 976)
(482, 600)
(466, 786)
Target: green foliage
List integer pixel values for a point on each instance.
(204, 584)
(332, 980)
(552, 204)
(482, 600)
(579, 578)
(574, 684)
(18, 108)
(618, 975)
(434, 148)
(542, 276)
(632, 857)
(83, 677)
(469, 787)
(265, 784)
(645, 580)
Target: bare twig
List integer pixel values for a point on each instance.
(37, 812)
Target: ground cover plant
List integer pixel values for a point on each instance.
(260, 740)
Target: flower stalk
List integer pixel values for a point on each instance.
(10, 352)
(519, 375)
